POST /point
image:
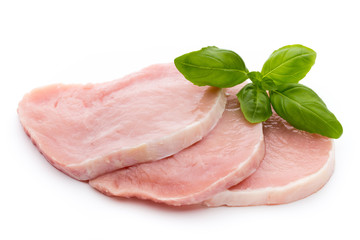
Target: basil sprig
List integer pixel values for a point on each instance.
(276, 85)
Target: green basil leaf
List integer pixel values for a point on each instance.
(212, 66)
(254, 103)
(303, 108)
(289, 64)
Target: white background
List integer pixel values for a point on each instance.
(44, 42)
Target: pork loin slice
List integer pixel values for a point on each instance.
(228, 154)
(296, 164)
(88, 130)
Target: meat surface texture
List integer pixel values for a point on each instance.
(88, 130)
(228, 154)
(296, 164)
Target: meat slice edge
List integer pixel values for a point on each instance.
(228, 154)
(272, 190)
(89, 114)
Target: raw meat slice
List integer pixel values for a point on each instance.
(88, 130)
(296, 165)
(228, 154)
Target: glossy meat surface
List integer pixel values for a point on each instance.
(88, 130)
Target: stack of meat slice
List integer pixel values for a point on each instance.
(226, 156)
(153, 135)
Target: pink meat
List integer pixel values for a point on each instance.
(296, 164)
(88, 130)
(228, 154)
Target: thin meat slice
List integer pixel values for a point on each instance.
(88, 130)
(229, 153)
(296, 165)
